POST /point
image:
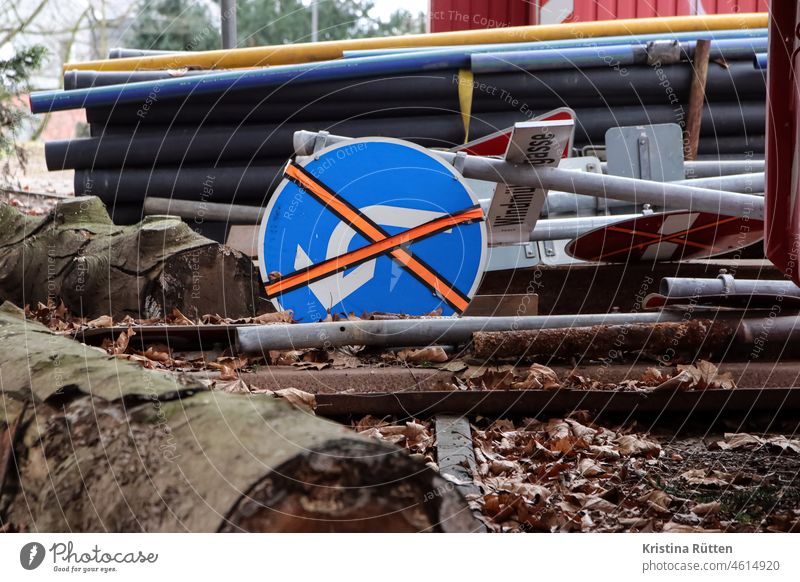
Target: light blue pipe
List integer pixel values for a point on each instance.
(147, 93)
(570, 43)
(614, 56)
(760, 61)
(550, 59)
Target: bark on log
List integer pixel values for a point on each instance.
(77, 255)
(105, 445)
(685, 339)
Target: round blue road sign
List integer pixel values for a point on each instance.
(372, 224)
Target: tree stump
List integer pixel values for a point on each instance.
(76, 254)
(92, 443)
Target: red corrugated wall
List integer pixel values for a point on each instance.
(471, 14)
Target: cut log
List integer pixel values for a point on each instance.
(77, 255)
(672, 340)
(105, 445)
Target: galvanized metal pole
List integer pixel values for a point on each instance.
(570, 228)
(667, 195)
(745, 183)
(419, 332)
(555, 229)
(314, 21)
(228, 24)
(727, 285)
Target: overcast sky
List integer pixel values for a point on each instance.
(386, 7)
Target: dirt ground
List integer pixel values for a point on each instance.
(569, 475)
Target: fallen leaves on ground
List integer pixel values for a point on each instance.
(564, 474)
(431, 354)
(539, 378)
(298, 398)
(702, 375)
(416, 436)
(707, 477)
(741, 440)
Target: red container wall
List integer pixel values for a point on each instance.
(448, 15)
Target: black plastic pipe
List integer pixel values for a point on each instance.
(213, 184)
(118, 146)
(124, 53)
(738, 81)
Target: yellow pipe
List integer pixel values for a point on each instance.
(323, 51)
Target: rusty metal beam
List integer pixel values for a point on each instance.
(501, 403)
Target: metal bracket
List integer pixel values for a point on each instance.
(663, 52)
(320, 141)
(458, 162)
(728, 283)
(644, 157)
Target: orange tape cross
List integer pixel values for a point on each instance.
(381, 243)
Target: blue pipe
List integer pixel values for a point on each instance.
(148, 92)
(614, 56)
(760, 61)
(570, 43)
(549, 59)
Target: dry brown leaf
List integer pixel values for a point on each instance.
(502, 466)
(275, 317)
(454, 366)
(158, 353)
(119, 345)
(580, 431)
(557, 429)
(588, 468)
(237, 386)
(784, 444)
(739, 440)
(705, 375)
(680, 381)
(341, 359)
(707, 478)
(657, 499)
(179, 318)
(298, 398)
(710, 508)
(433, 354)
(102, 321)
(632, 445)
(652, 377)
(539, 378)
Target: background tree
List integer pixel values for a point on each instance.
(14, 76)
(179, 25)
(264, 22)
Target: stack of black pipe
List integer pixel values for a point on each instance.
(231, 147)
